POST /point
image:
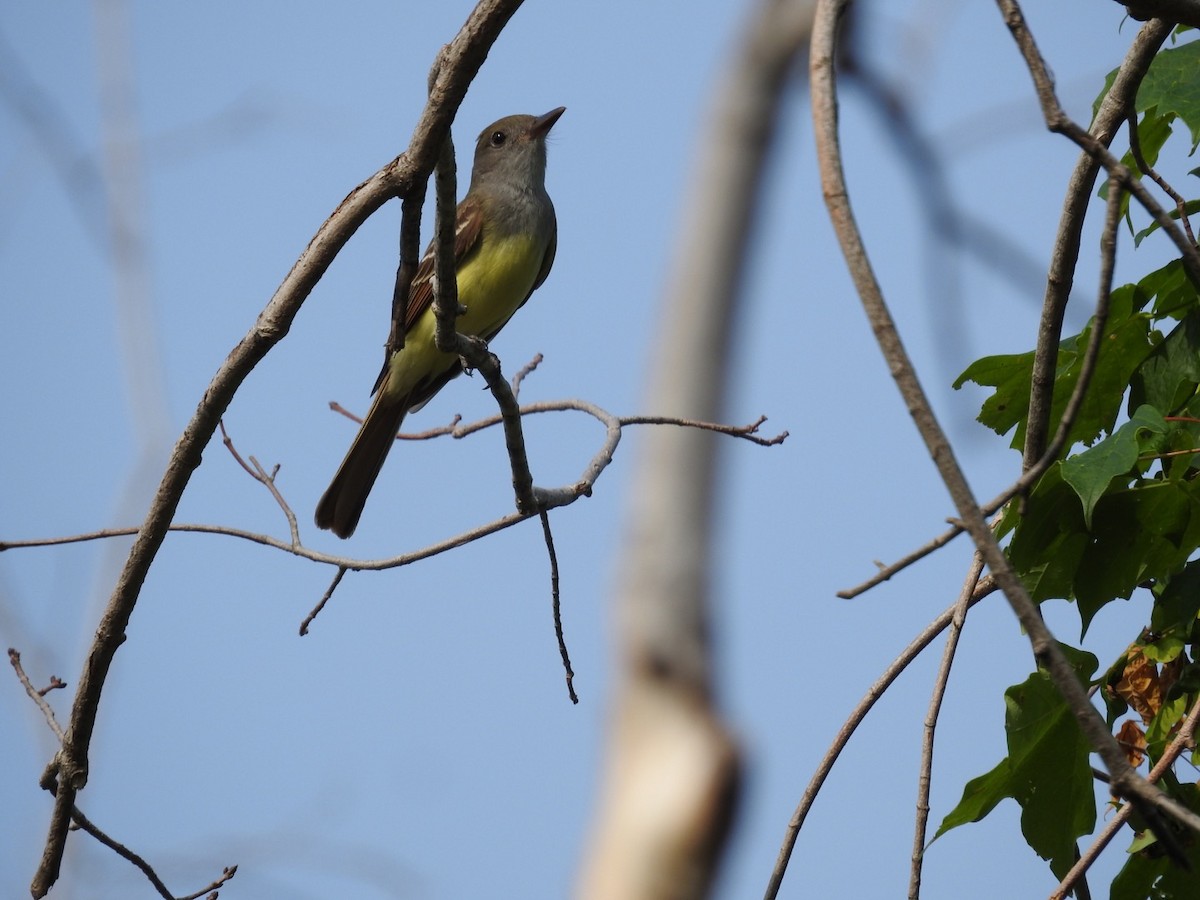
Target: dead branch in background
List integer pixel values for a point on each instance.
(664, 729)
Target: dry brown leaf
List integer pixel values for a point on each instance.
(1133, 741)
(1139, 685)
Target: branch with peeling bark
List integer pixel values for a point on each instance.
(672, 768)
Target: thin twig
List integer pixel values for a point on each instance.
(886, 572)
(987, 585)
(748, 432)
(256, 471)
(85, 824)
(316, 611)
(525, 371)
(556, 605)
(37, 696)
(237, 457)
(965, 599)
(1135, 150)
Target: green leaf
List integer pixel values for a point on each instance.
(1168, 377)
(1191, 207)
(1146, 877)
(1171, 85)
(1172, 290)
(1051, 777)
(979, 798)
(1176, 608)
(1050, 539)
(1138, 534)
(1091, 471)
(1126, 344)
(1046, 770)
(1011, 377)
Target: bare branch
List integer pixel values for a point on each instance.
(524, 372)
(965, 599)
(1044, 647)
(255, 470)
(557, 608)
(465, 54)
(886, 572)
(1070, 227)
(85, 824)
(36, 695)
(316, 611)
(1135, 150)
(987, 585)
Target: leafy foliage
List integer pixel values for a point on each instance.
(1046, 770)
(1117, 513)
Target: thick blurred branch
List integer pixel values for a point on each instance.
(462, 58)
(672, 771)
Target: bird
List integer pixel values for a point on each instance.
(505, 241)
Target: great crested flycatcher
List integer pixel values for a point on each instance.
(504, 246)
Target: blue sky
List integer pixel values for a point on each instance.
(419, 742)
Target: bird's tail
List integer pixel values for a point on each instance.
(342, 503)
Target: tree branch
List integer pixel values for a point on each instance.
(68, 772)
(965, 600)
(986, 585)
(1184, 739)
(1065, 255)
(1045, 648)
(665, 730)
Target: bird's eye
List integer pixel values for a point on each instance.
(498, 138)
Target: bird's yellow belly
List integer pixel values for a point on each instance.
(491, 285)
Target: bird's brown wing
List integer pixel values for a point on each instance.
(467, 229)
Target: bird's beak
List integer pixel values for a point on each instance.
(542, 124)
